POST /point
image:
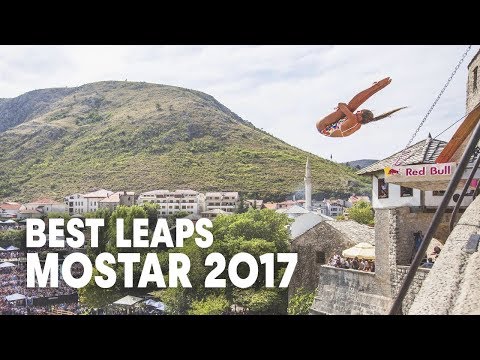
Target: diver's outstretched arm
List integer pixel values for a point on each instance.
(343, 111)
(328, 120)
(350, 116)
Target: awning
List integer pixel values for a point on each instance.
(362, 251)
(128, 300)
(2, 249)
(9, 221)
(156, 304)
(12, 248)
(6, 264)
(14, 297)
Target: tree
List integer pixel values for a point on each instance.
(301, 302)
(361, 212)
(263, 224)
(256, 232)
(171, 219)
(241, 205)
(212, 305)
(103, 238)
(94, 296)
(152, 214)
(262, 301)
(16, 238)
(175, 299)
(60, 215)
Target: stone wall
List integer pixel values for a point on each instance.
(397, 281)
(385, 230)
(343, 291)
(452, 286)
(408, 223)
(473, 95)
(348, 292)
(321, 238)
(394, 241)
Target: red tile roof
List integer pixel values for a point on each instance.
(45, 201)
(10, 206)
(29, 212)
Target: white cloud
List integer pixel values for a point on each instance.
(282, 89)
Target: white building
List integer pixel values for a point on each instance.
(171, 202)
(93, 198)
(389, 195)
(211, 214)
(331, 207)
(226, 201)
(335, 209)
(44, 206)
(76, 204)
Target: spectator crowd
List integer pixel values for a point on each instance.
(13, 280)
(352, 263)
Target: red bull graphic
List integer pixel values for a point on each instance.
(391, 171)
(421, 172)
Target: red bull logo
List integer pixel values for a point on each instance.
(389, 171)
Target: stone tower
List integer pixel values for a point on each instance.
(308, 186)
(473, 82)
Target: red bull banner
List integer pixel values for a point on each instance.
(422, 172)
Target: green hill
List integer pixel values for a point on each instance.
(140, 137)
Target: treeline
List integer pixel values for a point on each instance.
(256, 232)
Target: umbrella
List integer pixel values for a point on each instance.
(9, 221)
(156, 304)
(14, 297)
(12, 248)
(6, 264)
(362, 251)
(128, 300)
(2, 249)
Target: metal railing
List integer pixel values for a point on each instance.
(464, 191)
(396, 308)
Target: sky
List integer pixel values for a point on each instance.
(282, 89)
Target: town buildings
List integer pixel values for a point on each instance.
(43, 206)
(171, 202)
(225, 201)
(9, 209)
(125, 198)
